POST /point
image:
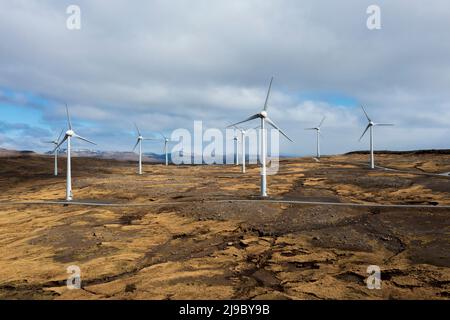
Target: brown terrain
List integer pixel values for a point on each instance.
(178, 232)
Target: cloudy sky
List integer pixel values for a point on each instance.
(164, 64)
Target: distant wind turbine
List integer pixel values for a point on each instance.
(243, 132)
(139, 142)
(370, 126)
(236, 150)
(166, 142)
(318, 137)
(56, 142)
(70, 133)
(264, 118)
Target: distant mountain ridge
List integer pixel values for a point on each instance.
(427, 151)
(160, 158)
(11, 153)
(114, 155)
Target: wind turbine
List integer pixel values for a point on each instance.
(243, 132)
(166, 141)
(56, 142)
(370, 126)
(236, 150)
(318, 136)
(139, 142)
(70, 133)
(262, 115)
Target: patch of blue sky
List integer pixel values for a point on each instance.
(28, 108)
(20, 114)
(21, 107)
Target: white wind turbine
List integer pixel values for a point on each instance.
(264, 118)
(370, 126)
(318, 137)
(166, 142)
(236, 150)
(70, 133)
(243, 133)
(139, 142)
(56, 142)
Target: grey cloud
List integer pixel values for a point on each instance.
(166, 63)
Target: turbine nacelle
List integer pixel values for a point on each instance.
(371, 124)
(263, 115)
(70, 133)
(56, 141)
(318, 127)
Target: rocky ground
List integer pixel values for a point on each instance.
(180, 243)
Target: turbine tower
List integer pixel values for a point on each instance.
(56, 142)
(166, 142)
(318, 137)
(70, 133)
(263, 116)
(370, 126)
(236, 150)
(139, 142)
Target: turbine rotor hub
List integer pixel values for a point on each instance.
(70, 133)
(263, 114)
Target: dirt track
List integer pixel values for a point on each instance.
(224, 250)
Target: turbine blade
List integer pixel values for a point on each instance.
(164, 137)
(68, 117)
(268, 93)
(310, 129)
(367, 128)
(139, 133)
(153, 139)
(383, 124)
(84, 139)
(59, 144)
(255, 116)
(276, 127)
(137, 142)
(321, 122)
(59, 137)
(367, 116)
